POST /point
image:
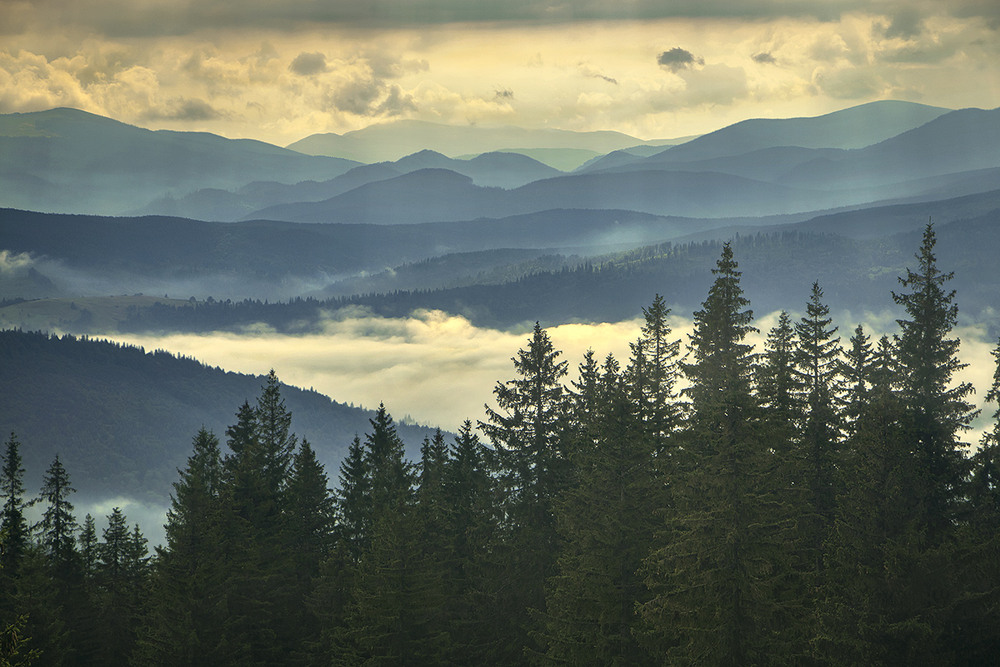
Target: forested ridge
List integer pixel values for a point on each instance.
(701, 502)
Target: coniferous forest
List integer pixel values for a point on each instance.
(702, 502)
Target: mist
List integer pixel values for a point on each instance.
(439, 369)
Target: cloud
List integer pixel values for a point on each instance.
(677, 59)
(763, 58)
(440, 369)
(307, 64)
(593, 73)
(436, 367)
(14, 264)
(906, 24)
(126, 18)
(185, 110)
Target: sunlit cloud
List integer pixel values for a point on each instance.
(440, 369)
(649, 72)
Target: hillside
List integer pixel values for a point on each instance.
(121, 419)
(64, 160)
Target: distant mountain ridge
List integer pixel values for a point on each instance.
(65, 160)
(391, 141)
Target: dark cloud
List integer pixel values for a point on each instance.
(366, 96)
(127, 18)
(907, 24)
(677, 59)
(763, 58)
(186, 110)
(308, 64)
(589, 71)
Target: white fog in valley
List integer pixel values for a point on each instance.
(440, 369)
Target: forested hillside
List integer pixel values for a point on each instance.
(121, 418)
(700, 502)
(856, 274)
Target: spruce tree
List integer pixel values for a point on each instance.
(606, 519)
(528, 430)
(658, 396)
(938, 412)
(13, 525)
(309, 535)
(186, 614)
(714, 579)
(817, 365)
(58, 525)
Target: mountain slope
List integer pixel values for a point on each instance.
(855, 127)
(435, 195)
(960, 141)
(391, 141)
(504, 170)
(64, 160)
(122, 419)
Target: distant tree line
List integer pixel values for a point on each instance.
(809, 503)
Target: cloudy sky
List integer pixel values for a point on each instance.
(279, 71)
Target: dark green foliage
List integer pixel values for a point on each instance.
(58, 525)
(186, 617)
(13, 525)
(606, 518)
(526, 432)
(715, 587)
(817, 366)
(937, 411)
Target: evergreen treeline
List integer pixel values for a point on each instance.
(808, 503)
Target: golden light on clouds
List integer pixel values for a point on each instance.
(281, 72)
(440, 369)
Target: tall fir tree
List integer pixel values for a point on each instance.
(187, 614)
(714, 580)
(58, 525)
(13, 524)
(528, 431)
(817, 365)
(938, 412)
(606, 519)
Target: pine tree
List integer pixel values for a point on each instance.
(938, 412)
(528, 431)
(817, 365)
(258, 590)
(13, 525)
(714, 581)
(186, 615)
(606, 519)
(472, 528)
(984, 489)
(877, 609)
(393, 600)
(58, 525)
(88, 547)
(657, 393)
(309, 534)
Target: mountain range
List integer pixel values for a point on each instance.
(107, 227)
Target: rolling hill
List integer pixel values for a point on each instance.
(122, 419)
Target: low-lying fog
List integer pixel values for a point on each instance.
(439, 369)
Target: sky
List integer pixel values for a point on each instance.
(655, 69)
